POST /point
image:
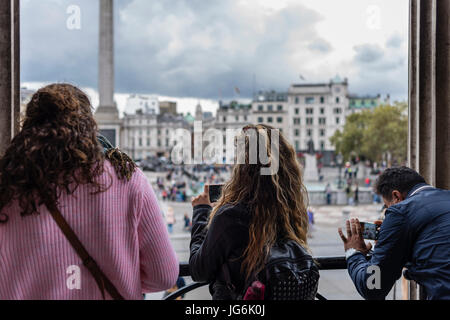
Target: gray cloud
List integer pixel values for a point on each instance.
(368, 53)
(380, 70)
(395, 41)
(187, 47)
(320, 46)
(177, 47)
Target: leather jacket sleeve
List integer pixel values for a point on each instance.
(211, 247)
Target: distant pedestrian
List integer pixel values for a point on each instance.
(170, 219)
(350, 195)
(356, 195)
(328, 193)
(187, 222)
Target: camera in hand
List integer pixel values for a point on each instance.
(215, 191)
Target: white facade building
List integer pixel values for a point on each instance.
(147, 134)
(271, 108)
(316, 112)
(149, 104)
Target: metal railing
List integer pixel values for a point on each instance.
(324, 263)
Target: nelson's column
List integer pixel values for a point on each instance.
(107, 114)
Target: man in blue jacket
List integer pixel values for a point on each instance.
(415, 235)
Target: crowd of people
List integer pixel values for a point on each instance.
(68, 197)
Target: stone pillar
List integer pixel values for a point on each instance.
(429, 90)
(9, 72)
(429, 95)
(107, 115)
(443, 94)
(106, 54)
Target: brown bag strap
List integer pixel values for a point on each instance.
(100, 278)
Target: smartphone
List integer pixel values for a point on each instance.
(215, 191)
(370, 231)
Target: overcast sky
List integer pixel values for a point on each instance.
(204, 49)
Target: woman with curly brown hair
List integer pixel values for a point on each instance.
(55, 176)
(260, 220)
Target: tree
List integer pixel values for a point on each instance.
(378, 134)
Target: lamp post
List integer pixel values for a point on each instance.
(339, 160)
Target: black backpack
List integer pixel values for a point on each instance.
(290, 273)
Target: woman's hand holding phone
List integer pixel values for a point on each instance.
(202, 199)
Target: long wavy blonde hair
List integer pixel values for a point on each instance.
(277, 202)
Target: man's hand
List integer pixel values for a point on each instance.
(354, 237)
(202, 198)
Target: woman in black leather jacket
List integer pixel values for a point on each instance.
(263, 202)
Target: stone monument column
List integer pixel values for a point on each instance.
(107, 114)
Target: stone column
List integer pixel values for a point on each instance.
(107, 114)
(443, 94)
(429, 95)
(9, 72)
(106, 54)
(429, 91)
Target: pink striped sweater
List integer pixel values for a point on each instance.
(122, 229)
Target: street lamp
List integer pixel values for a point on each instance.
(339, 160)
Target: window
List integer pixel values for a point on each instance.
(260, 119)
(296, 120)
(140, 142)
(338, 100)
(338, 111)
(338, 120)
(148, 142)
(322, 145)
(322, 100)
(167, 142)
(309, 100)
(310, 111)
(269, 119)
(322, 132)
(260, 108)
(297, 111)
(280, 108)
(322, 120)
(297, 133)
(322, 110)
(270, 108)
(280, 120)
(237, 118)
(297, 145)
(224, 119)
(297, 100)
(309, 132)
(309, 121)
